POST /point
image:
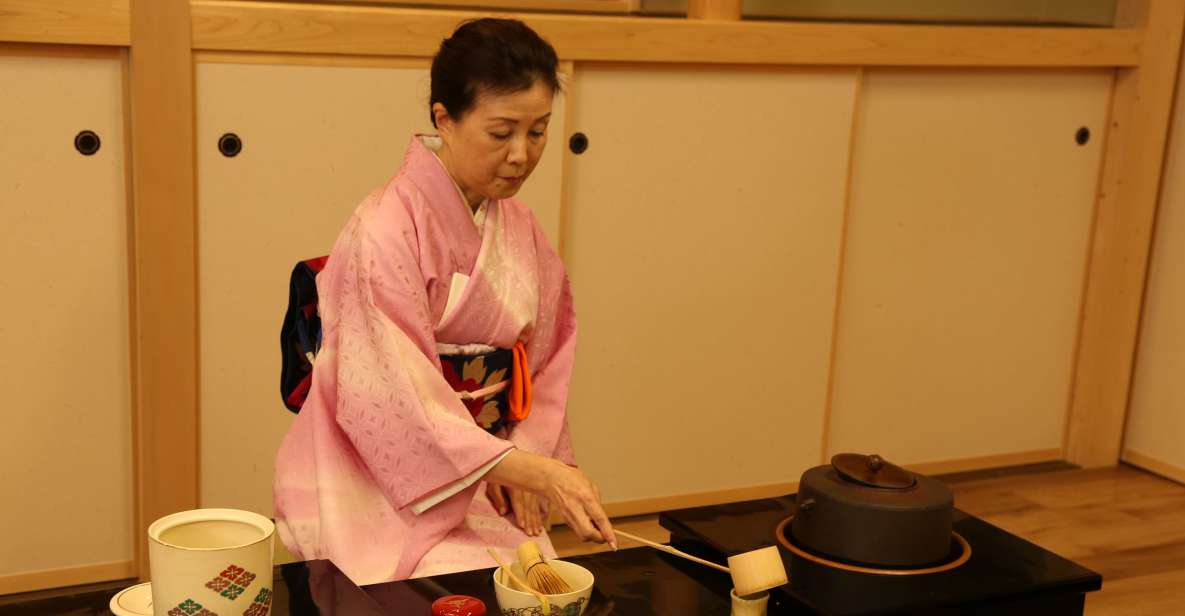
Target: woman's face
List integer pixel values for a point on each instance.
(492, 149)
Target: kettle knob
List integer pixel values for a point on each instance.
(875, 463)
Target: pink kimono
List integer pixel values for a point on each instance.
(381, 429)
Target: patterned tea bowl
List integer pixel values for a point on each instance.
(515, 602)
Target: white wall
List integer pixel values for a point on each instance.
(65, 448)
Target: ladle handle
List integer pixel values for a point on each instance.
(672, 551)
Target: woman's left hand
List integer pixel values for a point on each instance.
(527, 507)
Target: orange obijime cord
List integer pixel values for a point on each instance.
(520, 384)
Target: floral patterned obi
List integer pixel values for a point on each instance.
(494, 384)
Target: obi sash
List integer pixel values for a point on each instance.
(493, 384)
(300, 335)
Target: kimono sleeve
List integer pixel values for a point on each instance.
(406, 424)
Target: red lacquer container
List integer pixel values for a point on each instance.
(458, 605)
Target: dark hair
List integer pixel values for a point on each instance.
(491, 55)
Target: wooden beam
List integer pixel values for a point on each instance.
(234, 25)
(302, 59)
(1003, 460)
(1128, 192)
(1153, 465)
(728, 10)
(165, 405)
(74, 22)
(66, 576)
(52, 50)
(551, 6)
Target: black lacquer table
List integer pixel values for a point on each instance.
(1005, 575)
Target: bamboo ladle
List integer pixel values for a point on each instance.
(544, 604)
(751, 572)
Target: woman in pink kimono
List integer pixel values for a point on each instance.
(438, 396)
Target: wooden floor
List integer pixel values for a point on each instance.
(1124, 523)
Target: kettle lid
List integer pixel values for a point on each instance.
(872, 471)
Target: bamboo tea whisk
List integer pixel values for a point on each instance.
(544, 604)
(540, 575)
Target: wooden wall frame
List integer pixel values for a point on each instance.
(70, 22)
(550, 6)
(232, 25)
(728, 10)
(163, 36)
(165, 423)
(1128, 195)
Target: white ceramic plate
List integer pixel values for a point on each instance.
(133, 601)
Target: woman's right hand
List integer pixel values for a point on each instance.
(567, 488)
(576, 498)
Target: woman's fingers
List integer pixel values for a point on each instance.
(536, 516)
(497, 496)
(600, 518)
(520, 509)
(580, 503)
(601, 521)
(578, 521)
(526, 511)
(534, 520)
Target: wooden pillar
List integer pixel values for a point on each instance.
(728, 10)
(1125, 210)
(165, 422)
